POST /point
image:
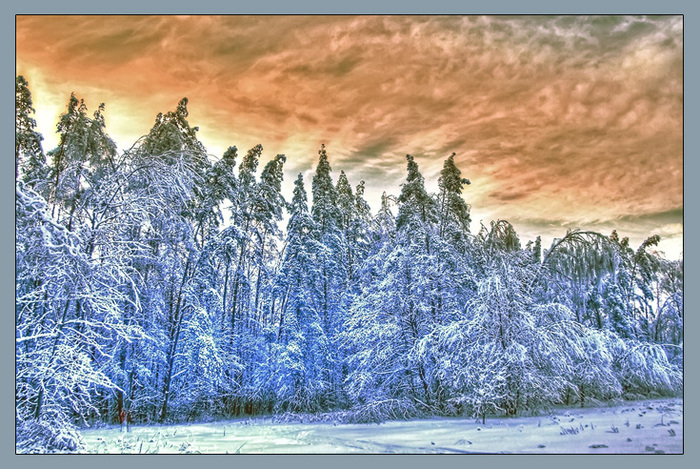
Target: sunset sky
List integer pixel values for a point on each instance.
(559, 122)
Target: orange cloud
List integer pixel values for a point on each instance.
(558, 121)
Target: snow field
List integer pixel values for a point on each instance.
(641, 427)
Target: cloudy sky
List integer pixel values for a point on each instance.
(559, 122)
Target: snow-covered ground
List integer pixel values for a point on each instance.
(646, 427)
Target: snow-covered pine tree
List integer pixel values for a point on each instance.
(453, 210)
(396, 309)
(200, 380)
(29, 154)
(360, 232)
(346, 212)
(243, 233)
(333, 267)
(303, 354)
(268, 206)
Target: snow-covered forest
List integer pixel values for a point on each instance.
(168, 285)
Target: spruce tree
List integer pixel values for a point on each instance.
(305, 355)
(324, 209)
(29, 154)
(454, 211)
(417, 210)
(331, 258)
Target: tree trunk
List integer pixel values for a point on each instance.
(260, 269)
(40, 397)
(174, 339)
(225, 295)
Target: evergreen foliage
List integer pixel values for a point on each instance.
(29, 154)
(159, 283)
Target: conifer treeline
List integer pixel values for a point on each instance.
(161, 283)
